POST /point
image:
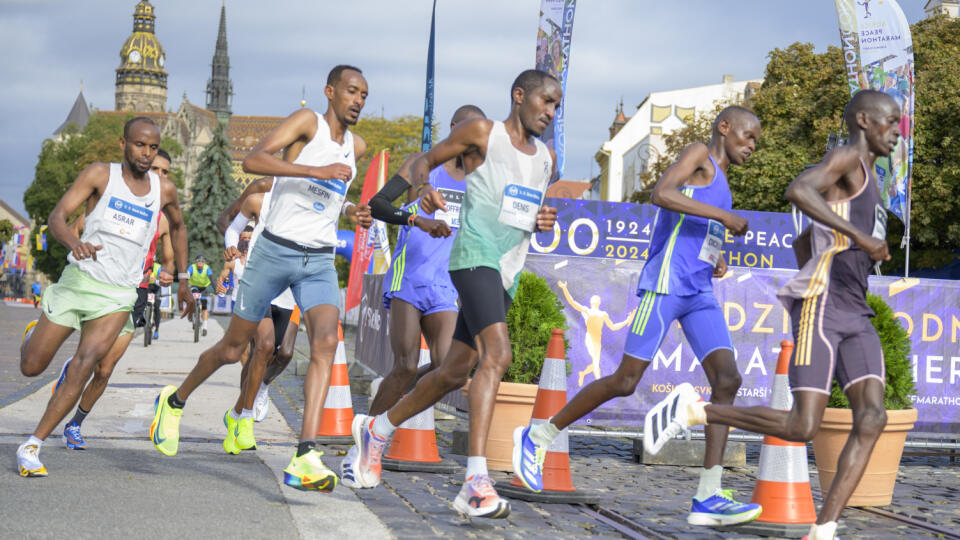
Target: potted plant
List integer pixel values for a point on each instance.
(535, 312)
(876, 486)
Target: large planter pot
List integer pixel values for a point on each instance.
(876, 486)
(513, 408)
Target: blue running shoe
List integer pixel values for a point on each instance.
(156, 334)
(62, 377)
(71, 436)
(721, 509)
(528, 459)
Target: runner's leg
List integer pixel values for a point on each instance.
(405, 343)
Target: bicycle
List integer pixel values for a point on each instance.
(147, 322)
(197, 313)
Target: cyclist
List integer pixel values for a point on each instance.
(200, 278)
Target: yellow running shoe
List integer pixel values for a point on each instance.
(165, 429)
(230, 441)
(28, 461)
(308, 473)
(28, 329)
(245, 440)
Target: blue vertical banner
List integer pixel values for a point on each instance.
(553, 56)
(426, 140)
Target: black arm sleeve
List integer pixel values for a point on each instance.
(381, 207)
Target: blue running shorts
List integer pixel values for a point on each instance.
(700, 316)
(426, 299)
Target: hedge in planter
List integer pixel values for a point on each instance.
(896, 354)
(535, 312)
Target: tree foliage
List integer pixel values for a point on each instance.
(6, 231)
(212, 190)
(535, 312)
(800, 103)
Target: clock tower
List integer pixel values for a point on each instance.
(141, 84)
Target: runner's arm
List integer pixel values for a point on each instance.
(92, 180)
(467, 136)
(164, 277)
(178, 235)
(299, 127)
(261, 185)
(381, 206)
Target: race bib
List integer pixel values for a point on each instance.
(326, 196)
(450, 216)
(519, 207)
(879, 223)
(127, 220)
(712, 243)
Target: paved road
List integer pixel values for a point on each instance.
(13, 385)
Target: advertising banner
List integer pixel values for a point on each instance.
(553, 56)
(363, 244)
(426, 139)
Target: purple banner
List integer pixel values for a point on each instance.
(622, 231)
(604, 293)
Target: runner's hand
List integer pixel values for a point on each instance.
(546, 217)
(336, 171)
(721, 269)
(874, 247)
(85, 250)
(359, 214)
(220, 288)
(430, 199)
(164, 278)
(737, 225)
(185, 300)
(433, 227)
(231, 253)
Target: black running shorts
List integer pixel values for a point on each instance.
(281, 319)
(483, 301)
(138, 307)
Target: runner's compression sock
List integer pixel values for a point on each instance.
(306, 446)
(544, 434)
(175, 401)
(382, 427)
(476, 465)
(36, 441)
(79, 416)
(709, 482)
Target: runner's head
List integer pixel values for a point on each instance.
(200, 260)
(140, 142)
(244, 241)
(535, 97)
(161, 164)
(737, 129)
(466, 112)
(346, 91)
(876, 117)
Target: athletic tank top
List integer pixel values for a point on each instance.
(151, 253)
(306, 210)
(837, 266)
(123, 224)
(684, 249)
(285, 299)
(419, 259)
(500, 206)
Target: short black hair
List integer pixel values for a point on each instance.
(134, 120)
(731, 114)
(334, 77)
(163, 153)
(249, 228)
(531, 79)
(465, 110)
(864, 100)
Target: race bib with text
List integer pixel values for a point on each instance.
(712, 243)
(127, 220)
(519, 207)
(450, 216)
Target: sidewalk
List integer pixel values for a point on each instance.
(122, 486)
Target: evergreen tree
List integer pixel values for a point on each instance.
(212, 190)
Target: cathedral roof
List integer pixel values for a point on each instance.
(79, 114)
(244, 132)
(142, 58)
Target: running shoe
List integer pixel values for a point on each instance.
(156, 334)
(230, 441)
(528, 459)
(245, 440)
(721, 509)
(28, 461)
(308, 473)
(165, 429)
(668, 418)
(71, 436)
(346, 469)
(62, 377)
(370, 447)
(477, 498)
(261, 403)
(28, 330)
(204, 332)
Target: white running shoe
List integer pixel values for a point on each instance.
(261, 403)
(28, 461)
(346, 469)
(370, 447)
(668, 418)
(477, 498)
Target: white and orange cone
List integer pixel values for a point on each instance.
(337, 415)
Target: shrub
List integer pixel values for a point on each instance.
(535, 312)
(896, 354)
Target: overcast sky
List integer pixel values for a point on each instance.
(620, 48)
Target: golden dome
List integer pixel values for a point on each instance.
(142, 58)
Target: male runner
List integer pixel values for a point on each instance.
(507, 170)
(36, 288)
(200, 280)
(161, 166)
(96, 291)
(295, 250)
(418, 291)
(675, 285)
(827, 301)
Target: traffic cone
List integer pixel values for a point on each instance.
(414, 444)
(337, 413)
(551, 397)
(783, 481)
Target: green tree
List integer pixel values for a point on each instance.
(6, 231)
(212, 190)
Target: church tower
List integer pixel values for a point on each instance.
(141, 78)
(219, 87)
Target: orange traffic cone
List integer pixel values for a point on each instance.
(783, 482)
(414, 444)
(551, 397)
(338, 407)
